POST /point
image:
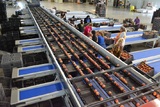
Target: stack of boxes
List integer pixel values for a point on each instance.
(10, 61)
(2, 94)
(156, 24)
(3, 12)
(10, 31)
(155, 14)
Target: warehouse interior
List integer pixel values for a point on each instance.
(47, 61)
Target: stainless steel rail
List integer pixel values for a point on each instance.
(55, 61)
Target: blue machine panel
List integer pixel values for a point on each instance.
(35, 92)
(35, 69)
(34, 40)
(32, 48)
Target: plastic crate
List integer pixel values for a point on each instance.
(109, 41)
(96, 25)
(107, 34)
(150, 72)
(6, 82)
(149, 35)
(127, 60)
(1, 72)
(2, 93)
(4, 104)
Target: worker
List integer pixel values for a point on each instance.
(88, 30)
(94, 37)
(87, 20)
(118, 48)
(101, 39)
(121, 34)
(72, 20)
(53, 10)
(137, 23)
(80, 26)
(63, 16)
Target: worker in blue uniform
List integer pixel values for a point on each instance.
(101, 39)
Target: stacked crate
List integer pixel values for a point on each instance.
(155, 14)
(3, 100)
(34, 59)
(10, 61)
(11, 25)
(1, 72)
(3, 12)
(10, 31)
(2, 94)
(156, 24)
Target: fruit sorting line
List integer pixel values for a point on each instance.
(79, 57)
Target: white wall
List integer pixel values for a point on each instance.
(155, 3)
(137, 3)
(140, 3)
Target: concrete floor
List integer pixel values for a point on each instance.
(111, 12)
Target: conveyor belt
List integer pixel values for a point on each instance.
(33, 71)
(137, 39)
(89, 91)
(95, 20)
(156, 66)
(29, 30)
(80, 16)
(27, 27)
(25, 16)
(28, 41)
(24, 11)
(144, 54)
(38, 93)
(129, 34)
(31, 48)
(28, 33)
(78, 12)
(27, 22)
(107, 28)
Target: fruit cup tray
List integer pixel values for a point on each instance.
(145, 68)
(126, 57)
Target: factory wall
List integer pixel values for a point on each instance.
(143, 3)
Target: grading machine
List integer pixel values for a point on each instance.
(79, 73)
